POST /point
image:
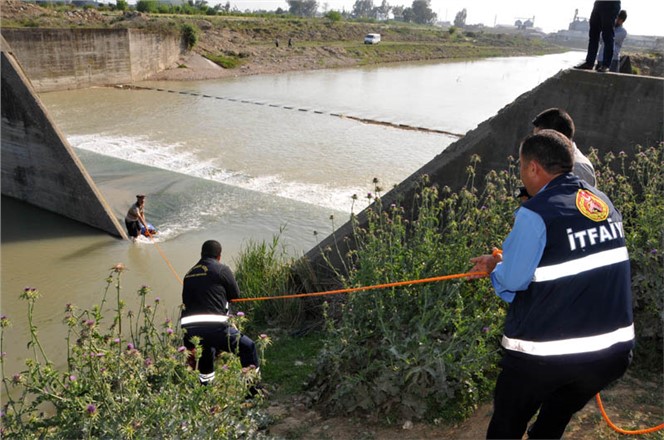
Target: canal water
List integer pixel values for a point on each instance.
(237, 160)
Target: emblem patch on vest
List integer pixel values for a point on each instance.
(591, 206)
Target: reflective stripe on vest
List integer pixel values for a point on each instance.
(570, 346)
(199, 319)
(579, 265)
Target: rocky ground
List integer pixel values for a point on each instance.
(631, 404)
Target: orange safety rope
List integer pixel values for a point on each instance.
(359, 289)
(495, 253)
(623, 431)
(168, 263)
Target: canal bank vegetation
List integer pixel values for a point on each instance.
(429, 352)
(424, 352)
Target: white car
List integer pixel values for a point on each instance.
(372, 39)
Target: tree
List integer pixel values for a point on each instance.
(397, 11)
(408, 15)
(383, 11)
(333, 15)
(303, 8)
(422, 12)
(460, 19)
(146, 6)
(363, 8)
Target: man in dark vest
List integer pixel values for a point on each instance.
(565, 271)
(207, 290)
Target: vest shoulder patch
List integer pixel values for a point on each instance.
(591, 206)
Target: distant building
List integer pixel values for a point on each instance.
(528, 24)
(579, 24)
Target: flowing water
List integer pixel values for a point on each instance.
(236, 160)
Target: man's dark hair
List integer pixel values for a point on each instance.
(552, 150)
(556, 119)
(211, 249)
(622, 15)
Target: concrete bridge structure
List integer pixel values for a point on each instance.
(38, 164)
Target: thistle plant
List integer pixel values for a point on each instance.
(636, 187)
(430, 351)
(124, 381)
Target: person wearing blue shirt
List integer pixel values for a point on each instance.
(618, 40)
(564, 270)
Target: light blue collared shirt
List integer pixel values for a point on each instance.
(522, 252)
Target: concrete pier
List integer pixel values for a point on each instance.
(60, 59)
(38, 164)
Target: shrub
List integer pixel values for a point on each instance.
(129, 380)
(147, 6)
(333, 15)
(122, 5)
(423, 351)
(189, 34)
(264, 270)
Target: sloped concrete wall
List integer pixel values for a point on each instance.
(38, 165)
(152, 52)
(612, 112)
(59, 59)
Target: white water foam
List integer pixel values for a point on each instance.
(175, 158)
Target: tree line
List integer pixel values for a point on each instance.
(419, 11)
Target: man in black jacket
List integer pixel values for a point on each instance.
(207, 289)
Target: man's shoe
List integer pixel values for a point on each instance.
(602, 69)
(584, 66)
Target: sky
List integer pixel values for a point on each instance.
(644, 17)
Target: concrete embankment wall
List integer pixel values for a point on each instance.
(38, 165)
(58, 59)
(612, 112)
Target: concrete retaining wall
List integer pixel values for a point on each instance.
(151, 52)
(38, 165)
(612, 112)
(57, 59)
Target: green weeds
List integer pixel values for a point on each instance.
(429, 351)
(127, 378)
(263, 270)
(636, 187)
(227, 62)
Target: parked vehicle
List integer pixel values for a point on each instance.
(372, 39)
